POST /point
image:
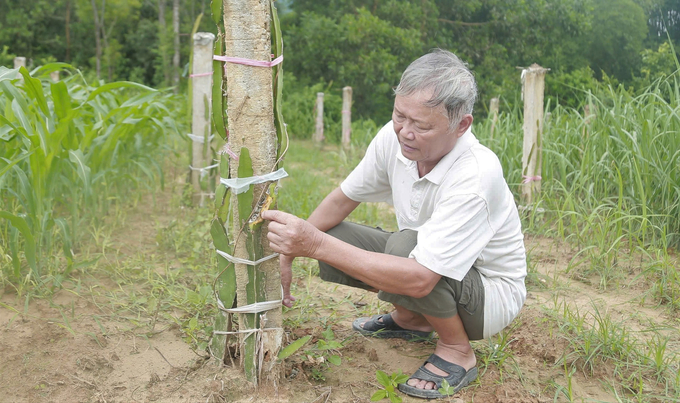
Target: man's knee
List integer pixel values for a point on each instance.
(401, 243)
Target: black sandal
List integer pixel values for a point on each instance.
(457, 378)
(386, 329)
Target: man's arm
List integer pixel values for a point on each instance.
(293, 236)
(332, 210)
(329, 213)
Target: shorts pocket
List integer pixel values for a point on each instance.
(471, 293)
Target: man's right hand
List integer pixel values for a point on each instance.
(286, 265)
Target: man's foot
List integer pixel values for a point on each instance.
(461, 356)
(384, 326)
(457, 377)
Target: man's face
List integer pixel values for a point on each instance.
(423, 132)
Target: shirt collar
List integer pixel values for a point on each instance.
(463, 144)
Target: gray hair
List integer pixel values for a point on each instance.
(449, 78)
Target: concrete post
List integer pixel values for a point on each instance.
(318, 134)
(346, 116)
(19, 62)
(201, 85)
(533, 84)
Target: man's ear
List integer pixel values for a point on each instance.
(464, 124)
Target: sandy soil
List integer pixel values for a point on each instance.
(71, 348)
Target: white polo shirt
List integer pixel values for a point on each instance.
(463, 211)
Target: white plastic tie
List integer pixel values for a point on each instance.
(240, 185)
(200, 139)
(235, 259)
(257, 307)
(203, 171)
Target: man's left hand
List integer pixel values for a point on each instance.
(290, 235)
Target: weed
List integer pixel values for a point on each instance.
(389, 383)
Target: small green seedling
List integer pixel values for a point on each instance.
(389, 382)
(446, 389)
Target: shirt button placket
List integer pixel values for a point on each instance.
(416, 199)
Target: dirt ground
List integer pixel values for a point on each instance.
(71, 348)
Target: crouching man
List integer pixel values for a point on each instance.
(457, 264)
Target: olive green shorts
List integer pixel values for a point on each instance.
(445, 300)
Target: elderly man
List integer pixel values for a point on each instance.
(457, 264)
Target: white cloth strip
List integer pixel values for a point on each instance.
(200, 139)
(235, 259)
(240, 185)
(204, 168)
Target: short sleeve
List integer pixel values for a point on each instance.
(369, 181)
(454, 236)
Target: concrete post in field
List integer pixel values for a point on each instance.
(54, 76)
(318, 133)
(493, 114)
(19, 62)
(533, 84)
(201, 85)
(346, 116)
(253, 139)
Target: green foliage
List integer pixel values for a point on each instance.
(360, 50)
(657, 64)
(65, 146)
(6, 58)
(620, 27)
(446, 389)
(570, 89)
(293, 347)
(389, 383)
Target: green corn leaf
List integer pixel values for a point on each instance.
(13, 163)
(78, 160)
(66, 237)
(29, 241)
(293, 347)
(140, 99)
(8, 74)
(48, 68)
(61, 99)
(118, 84)
(14, 251)
(34, 90)
(22, 117)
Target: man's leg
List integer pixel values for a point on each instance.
(361, 236)
(451, 308)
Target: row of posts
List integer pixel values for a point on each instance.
(533, 83)
(346, 117)
(533, 79)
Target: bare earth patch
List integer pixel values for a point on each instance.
(74, 347)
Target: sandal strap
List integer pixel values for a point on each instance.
(446, 366)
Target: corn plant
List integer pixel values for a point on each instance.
(66, 150)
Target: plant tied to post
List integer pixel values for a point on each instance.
(242, 287)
